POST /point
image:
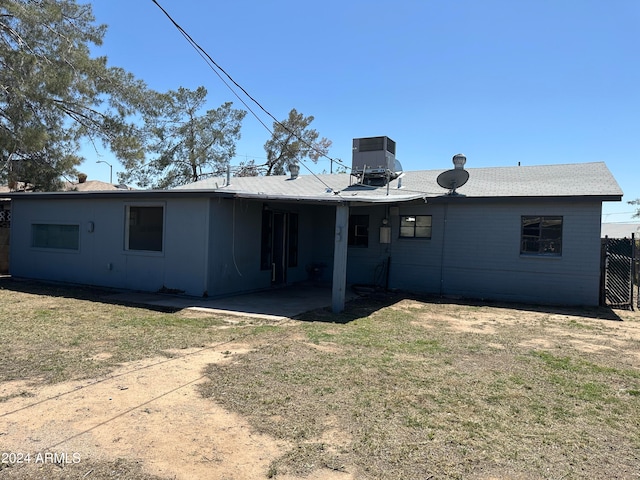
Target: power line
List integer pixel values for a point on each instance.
(212, 63)
(620, 213)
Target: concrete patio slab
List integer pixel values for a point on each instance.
(275, 304)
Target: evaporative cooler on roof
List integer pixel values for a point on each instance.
(374, 157)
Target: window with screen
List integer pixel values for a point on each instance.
(144, 228)
(48, 235)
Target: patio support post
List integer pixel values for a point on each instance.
(340, 259)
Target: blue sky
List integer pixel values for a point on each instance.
(502, 81)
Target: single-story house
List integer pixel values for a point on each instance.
(522, 233)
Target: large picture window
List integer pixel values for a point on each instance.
(541, 235)
(144, 227)
(358, 230)
(415, 226)
(64, 237)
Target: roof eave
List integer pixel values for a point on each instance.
(462, 197)
(332, 197)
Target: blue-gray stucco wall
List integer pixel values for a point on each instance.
(367, 265)
(101, 258)
(212, 246)
(475, 252)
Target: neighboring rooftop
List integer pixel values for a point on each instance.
(91, 186)
(85, 186)
(620, 230)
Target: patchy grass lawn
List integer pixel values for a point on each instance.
(392, 389)
(51, 334)
(429, 390)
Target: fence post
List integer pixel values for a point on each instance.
(635, 269)
(632, 261)
(603, 269)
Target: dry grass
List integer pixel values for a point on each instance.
(54, 333)
(391, 390)
(120, 469)
(423, 390)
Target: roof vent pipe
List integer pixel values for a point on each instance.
(294, 168)
(459, 160)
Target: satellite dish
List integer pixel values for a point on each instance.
(452, 179)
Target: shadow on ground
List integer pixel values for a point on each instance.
(77, 292)
(361, 305)
(372, 302)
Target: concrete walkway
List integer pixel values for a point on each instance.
(274, 304)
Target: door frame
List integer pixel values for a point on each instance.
(279, 243)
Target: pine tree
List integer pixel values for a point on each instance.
(54, 95)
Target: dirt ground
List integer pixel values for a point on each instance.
(151, 412)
